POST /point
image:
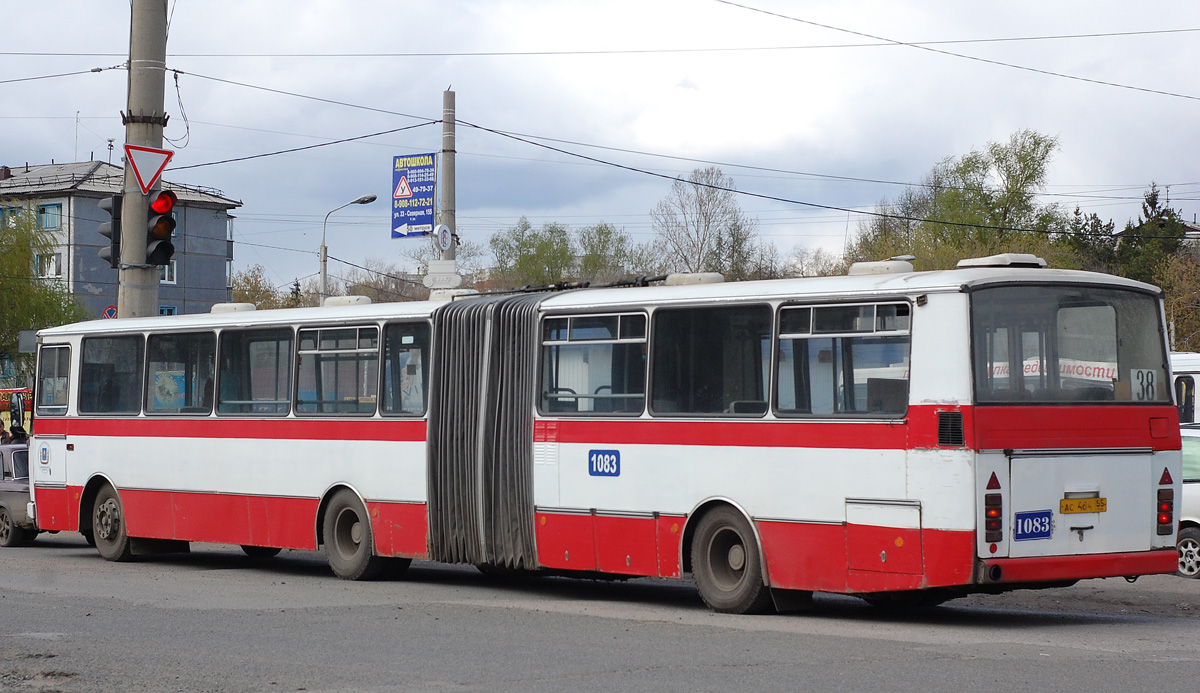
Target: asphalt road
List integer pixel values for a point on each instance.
(214, 620)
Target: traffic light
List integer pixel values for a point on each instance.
(160, 222)
(112, 230)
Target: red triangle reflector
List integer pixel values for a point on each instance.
(1166, 478)
(994, 483)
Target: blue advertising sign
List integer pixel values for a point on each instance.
(414, 179)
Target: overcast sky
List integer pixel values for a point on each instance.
(826, 96)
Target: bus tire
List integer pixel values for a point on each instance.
(347, 536)
(108, 526)
(261, 551)
(1189, 552)
(726, 564)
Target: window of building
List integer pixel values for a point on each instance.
(54, 379)
(710, 360)
(337, 370)
(255, 374)
(110, 381)
(843, 360)
(49, 217)
(229, 274)
(49, 265)
(180, 373)
(593, 364)
(166, 273)
(405, 368)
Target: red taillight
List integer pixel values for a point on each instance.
(1166, 508)
(993, 516)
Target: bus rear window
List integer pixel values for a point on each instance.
(1067, 344)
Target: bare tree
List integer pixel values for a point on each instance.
(814, 262)
(383, 282)
(701, 227)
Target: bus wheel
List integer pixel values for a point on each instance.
(1189, 552)
(347, 536)
(108, 526)
(726, 564)
(260, 551)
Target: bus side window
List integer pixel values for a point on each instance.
(53, 380)
(711, 360)
(843, 360)
(1185, 395)
(110, 381)
(181, 373)
(405, 368)
(594, 364)
(255, 374)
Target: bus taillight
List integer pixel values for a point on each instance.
(1166, 510)
(993, 518)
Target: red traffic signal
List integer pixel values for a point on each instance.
(160, 224)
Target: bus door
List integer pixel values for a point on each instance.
(49, 444)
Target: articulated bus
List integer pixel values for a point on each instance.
(906, 437)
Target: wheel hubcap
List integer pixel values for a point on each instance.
(737, 557)
(108, 521)
(727, 559)
(348, 533)
(1189, 557)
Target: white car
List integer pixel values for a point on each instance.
(1189, 505)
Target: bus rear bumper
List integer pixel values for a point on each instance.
(1059, 568)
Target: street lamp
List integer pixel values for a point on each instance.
(324, 254)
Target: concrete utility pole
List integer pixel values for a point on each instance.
(144, 120)
(446, 175)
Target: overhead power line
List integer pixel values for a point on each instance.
(61, 74)
(621, 51)
(299, 149)
(939, 51)
(775, 198)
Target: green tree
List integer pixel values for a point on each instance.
(1092, 241)
(605, 253)
(532, 257)
(31, 302)
(982, 203)
(1158, 234)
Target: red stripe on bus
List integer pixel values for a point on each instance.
(1032, 427)
(400, 529)
(1051, 568)
(407, 430)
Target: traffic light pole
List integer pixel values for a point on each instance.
(144, 119)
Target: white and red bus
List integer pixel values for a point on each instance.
(903, 436)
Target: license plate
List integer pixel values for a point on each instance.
(1068, 506)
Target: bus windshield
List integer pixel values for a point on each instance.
(1067, 344)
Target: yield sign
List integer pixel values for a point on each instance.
(403, 189)
(148, 164)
